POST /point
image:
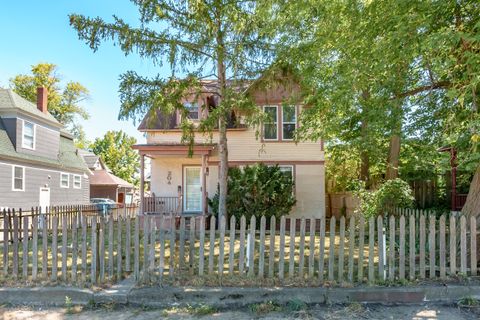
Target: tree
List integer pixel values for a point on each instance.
(63, 101)
(115, 149)
(387, 75)
(220, 39)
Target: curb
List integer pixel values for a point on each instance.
(234, 297)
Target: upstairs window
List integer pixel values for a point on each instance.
(270, 126)
(289, 122)
(77, 181)
(28, 140)
(64, 180)
(192, 109)
(18, 178)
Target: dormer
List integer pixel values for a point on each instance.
(31, 128)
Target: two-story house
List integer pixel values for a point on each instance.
(190, 180)
(39, 164)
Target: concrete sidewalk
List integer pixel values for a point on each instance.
(224, 297)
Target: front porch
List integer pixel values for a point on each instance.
(179, 178)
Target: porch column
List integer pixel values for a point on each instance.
(204, 183)
(142, 181)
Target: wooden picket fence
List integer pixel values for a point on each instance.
(96, 249)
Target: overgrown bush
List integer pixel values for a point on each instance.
(257, 190)
(391, 194)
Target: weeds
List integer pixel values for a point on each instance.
(265, 307)
(468, 301)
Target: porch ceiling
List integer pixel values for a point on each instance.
(152, 150)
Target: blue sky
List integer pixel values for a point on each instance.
(38, 31)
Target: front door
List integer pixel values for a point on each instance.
(192, 193)
(44, 200)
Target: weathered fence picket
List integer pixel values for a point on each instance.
(102, 244)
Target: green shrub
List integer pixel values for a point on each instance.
(391, 194)
(257, 190)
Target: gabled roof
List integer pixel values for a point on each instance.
(105, 178)
(10, 101)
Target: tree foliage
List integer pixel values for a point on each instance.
(258, 190)
(115, 149)
(392, 194)
(215, 39)
(394, 81)
(64, 101)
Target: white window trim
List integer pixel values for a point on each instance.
(291, 166)
(196, 104)
(295, 123)
(68, 180)
(276, 123)
(13, 178)
(73, 182)
(34, 135)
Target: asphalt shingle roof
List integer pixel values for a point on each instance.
(68, 157)
(11, 100)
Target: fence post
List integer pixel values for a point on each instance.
(391, 251)
(291, 261)
(15, 244)
(181, 252)
(74, 250)
(351, 246)
(54, 248)
(411, 250)
(401, 265)
(442, 247)
(261, 260)
(128, 247)
(243, 223)
(221, 255)
(231, 252)
(463, 245)
(136, 249)
(251, 248)
(212, 245)
(341, 249)
(432, 247)
(271, 256)
(5, 241)
(331, 247)
(201, 254)
(191, 242)
(25, 247)
(110, 246)
(162, 246)
(381, 248)
(361, 247)
(35, 247)
(281, 253)
(64, 247)
(301, 262)
(422, 246)
(311, 250)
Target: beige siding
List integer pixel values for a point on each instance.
(244, 146)
(309, 183)
(310, 191)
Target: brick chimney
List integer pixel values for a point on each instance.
(42, 99)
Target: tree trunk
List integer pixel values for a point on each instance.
(472, 205)
(393, 157)
(222, 131)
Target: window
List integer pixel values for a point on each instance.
(64, 180)
(287, 170)
(192, 109)
(289, 122)
(270, 129)
(18, 178)
(77, 181)
(28, 135)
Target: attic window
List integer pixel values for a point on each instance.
(28, 140)
(192, 109)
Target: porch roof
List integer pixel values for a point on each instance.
(153, 149)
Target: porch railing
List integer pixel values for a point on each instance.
(163, 205)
